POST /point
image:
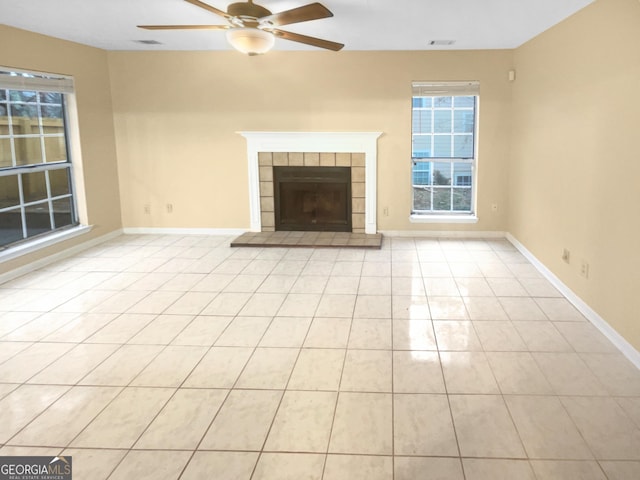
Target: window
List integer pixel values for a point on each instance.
(443, 147)
(36, 188)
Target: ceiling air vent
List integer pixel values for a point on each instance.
(148, 42)
(438, 43)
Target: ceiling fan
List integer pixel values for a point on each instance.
(252, 28)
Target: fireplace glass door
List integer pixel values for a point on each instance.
(312, 198)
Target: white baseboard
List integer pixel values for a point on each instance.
(600, 323)
(442, 234)
(184, 231)
(43, 262)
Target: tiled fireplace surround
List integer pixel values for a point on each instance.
(357, 150)
(268, 160)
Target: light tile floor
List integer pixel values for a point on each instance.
(172, 357)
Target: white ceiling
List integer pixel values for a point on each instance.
(359, 24)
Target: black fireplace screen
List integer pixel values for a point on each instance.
(312, 198)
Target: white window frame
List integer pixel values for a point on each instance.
(46, 82)
(446, 89)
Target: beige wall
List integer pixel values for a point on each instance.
(89, 67)
(574, 175)
(177, 114)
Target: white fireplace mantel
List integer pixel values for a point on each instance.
(322, 142)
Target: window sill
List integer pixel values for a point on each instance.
(443, 218)
(43, 242)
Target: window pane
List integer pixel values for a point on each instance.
(442, 174)
(34, 186)
(422, 173)
(442, 121)
(55, 149)
(22, 96)
(10, 227)
(51, 111)
(422, 198)
(442, 199)
(24, 115)
(442, 146)
(5, 152)
(463, 102)
(22, 111)
(422, 102)
(52, 126)
(59, 182)
(444, 115)
(38, 220)
(422, 121)
(422, 146)
(3, 95)
(463, 121)
(463, 146)
(462, 199)
(4, 121)
(24, 119)
(62, 212)
(440, 102)
(9, 193)
(28, 150)
(462, 174)
(51, 97)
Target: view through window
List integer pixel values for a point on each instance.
(36, 188)
(443, 147)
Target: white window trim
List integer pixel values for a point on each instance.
(65, 85)
(437, 218)
(75, 151)
(38, 243)
(453, 88)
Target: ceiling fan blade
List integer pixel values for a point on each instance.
(316, 42)
(208, 7)
(313, 11)
(185, 27)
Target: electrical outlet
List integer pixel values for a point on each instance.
(147, 209)
(385, 211)
(169, 207)
(584, 269)
(566, 256)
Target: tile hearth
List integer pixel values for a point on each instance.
(308, 239)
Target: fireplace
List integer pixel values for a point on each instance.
(312, 198)
(355, 150)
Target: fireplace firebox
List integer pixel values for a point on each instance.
(312, 198)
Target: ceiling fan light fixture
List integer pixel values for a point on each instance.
(251, 41)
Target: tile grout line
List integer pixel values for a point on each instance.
(284, 391)
(393, 393)
(206, 431)
(229, 390)
(339, 391)
(446, 391)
